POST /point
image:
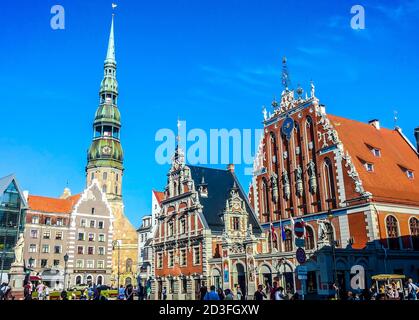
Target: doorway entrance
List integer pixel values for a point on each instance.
(241, 278)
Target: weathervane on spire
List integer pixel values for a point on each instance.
(285, 74)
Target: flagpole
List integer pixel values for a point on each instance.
(280, 231)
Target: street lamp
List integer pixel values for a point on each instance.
(116, 244)
(65, 268)
(31, 261)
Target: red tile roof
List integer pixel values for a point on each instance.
(159, 196)
(52, 205)
(388, 182)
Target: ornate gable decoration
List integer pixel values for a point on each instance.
(330, 137)
(235, 203)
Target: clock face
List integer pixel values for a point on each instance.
(287, 127)
(107, 150)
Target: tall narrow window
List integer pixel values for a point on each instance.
(392, 233)
(288, 240)
(309, 238)
(414, 232)
(329, 184)
(265, 200)
(105, 175)
(236, 223)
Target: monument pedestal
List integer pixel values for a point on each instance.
(17, 277)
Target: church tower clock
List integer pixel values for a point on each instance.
(105, 164)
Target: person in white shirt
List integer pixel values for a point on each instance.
(279, 294)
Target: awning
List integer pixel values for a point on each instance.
(35, 278)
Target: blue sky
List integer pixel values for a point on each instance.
(212, 63)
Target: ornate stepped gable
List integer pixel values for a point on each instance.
(347, 144)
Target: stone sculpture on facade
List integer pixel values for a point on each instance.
(286, 184)
(312, 179)
(299, 181)
(274, 184)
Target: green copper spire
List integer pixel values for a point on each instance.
(110, 56)
(106, 150)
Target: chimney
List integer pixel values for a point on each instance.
(230, 168)
(417, 138)
(375, 123)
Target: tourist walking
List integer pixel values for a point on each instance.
(27, 291)
(203, 291)
(212, 295)
(129, 293)
(40, 289)
(121, 292)
(228, 294)
(273, 290)
(239, 293)
(164, 294)
(412, 290)
(259, 294)
(221, 294)
(279, 294)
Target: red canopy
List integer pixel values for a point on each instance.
(35, 278)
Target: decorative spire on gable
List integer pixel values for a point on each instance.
(286, 81)
(178, 159)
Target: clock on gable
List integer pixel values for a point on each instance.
(287, 127)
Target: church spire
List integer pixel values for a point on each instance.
(110, 56)
(105, 155)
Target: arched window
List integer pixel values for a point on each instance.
(392, 233)
(128, 265)
(78, 280)
(89, 279)
(105, 175)
(414, 232)
(330, 194)
(288, 240)
(99, 280)
(265, 200)
(104, 188)
(309, 238)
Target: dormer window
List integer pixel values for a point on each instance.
(410, 174)
(376, 152)
(369, 167)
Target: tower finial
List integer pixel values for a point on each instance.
(178, 130)
(285, 75)
(312, 89)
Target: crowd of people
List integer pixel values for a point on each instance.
(274, 292)
(392, 291)
(40, 291)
